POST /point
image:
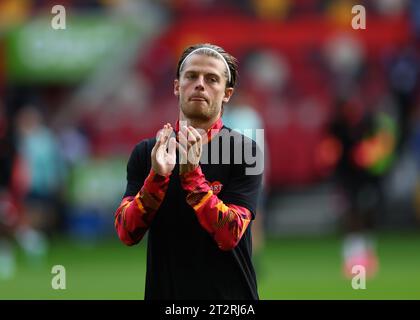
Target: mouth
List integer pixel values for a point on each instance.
(197, 98)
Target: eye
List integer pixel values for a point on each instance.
(213, 79)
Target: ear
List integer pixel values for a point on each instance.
(176, 87)
(228, 94)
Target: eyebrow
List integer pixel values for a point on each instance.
(207, 74)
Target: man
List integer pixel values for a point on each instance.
(198, 211)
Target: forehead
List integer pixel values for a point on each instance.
(204, 63)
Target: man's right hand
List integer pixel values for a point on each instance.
(164, 152)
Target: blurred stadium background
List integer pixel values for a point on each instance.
(74, 102)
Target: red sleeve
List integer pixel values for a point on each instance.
(225, 222)
(134, 215)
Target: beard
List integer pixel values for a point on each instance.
(199, 111)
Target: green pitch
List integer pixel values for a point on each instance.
(288, 268)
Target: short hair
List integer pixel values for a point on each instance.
(231, 61)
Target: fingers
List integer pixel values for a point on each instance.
(196, 147)
(183, 139)
(193, 131)
(181, 149)
(182, 153)
(166, 132)
(172, 146)
(189, 145)
(162, 137)
(190, 135)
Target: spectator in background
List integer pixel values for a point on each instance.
(40, 155)
(8, 209)
(367, 139)
(15, 205)
(403, 74)
(267, 72)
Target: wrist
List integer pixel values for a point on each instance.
(155, 181)
(186, 168)
(156, 172)
(193, 179)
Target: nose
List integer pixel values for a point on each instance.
(199, 85)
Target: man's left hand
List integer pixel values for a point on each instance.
(190, 149)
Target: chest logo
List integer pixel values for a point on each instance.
(216, 187)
